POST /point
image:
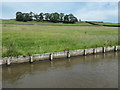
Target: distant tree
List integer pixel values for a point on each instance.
(47, 16)
(19, 16)
(26, 17)
(31, 15)
(54, 17)
(66, 19)
(70, 19)
(61, 16)
(41, 17)
(51, 17)
(36, 16)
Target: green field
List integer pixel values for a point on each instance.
(108, 23)
(37, 39)
(49, 23)
(39, 23)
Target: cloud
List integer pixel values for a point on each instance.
(98, 11)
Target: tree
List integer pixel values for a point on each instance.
(54, 17)
(31, 15)
(41, 17)
(70, 19)
(47, 16)
(36, 16)
(19, 16)
(61, 16)
(66, 19)
(26, 17)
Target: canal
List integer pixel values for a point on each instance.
(91, 71)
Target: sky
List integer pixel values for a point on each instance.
(86, 11)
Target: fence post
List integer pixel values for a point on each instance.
(51, 57)
(115, 48)
(85, 52)
(31, 59)
(68, 54)
(94, 51)
(8, 61)
(103, 49)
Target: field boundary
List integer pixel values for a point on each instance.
(61, 25)
(42, 24)
(94, 24)
(55, 55)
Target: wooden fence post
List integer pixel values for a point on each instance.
(8, 61)
(103, 49)
(68, 54)
(51, 56)
(115, 48)
(31, 59)
(85, 52)
(94, 51)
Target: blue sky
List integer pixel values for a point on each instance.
(91, 11)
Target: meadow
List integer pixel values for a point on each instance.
(108, 23)
(39, 23)
(36, 39)
(50, 23)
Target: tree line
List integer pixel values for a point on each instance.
(49, 17)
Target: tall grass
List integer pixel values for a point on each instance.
(11, 50)
(36, 39)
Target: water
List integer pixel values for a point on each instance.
(92, 71)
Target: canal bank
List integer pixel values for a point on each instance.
(56, 55)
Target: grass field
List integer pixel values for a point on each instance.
(40, 23)
(49, 23)
(36, 39)
(108, 23)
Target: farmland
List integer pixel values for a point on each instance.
(36, 39)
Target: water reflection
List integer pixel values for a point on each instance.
(99, 70)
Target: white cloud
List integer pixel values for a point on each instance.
(96, 15)
(98, 11)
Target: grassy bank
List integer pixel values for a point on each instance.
(35, 39)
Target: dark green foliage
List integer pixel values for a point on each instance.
(54, 17)
(24, 16)
(61, 16)
(66, 19)
(70, 19)
(36, 16)
(19, 16)
(41, 17)
(49, 17)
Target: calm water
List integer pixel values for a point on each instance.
(92, 71)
